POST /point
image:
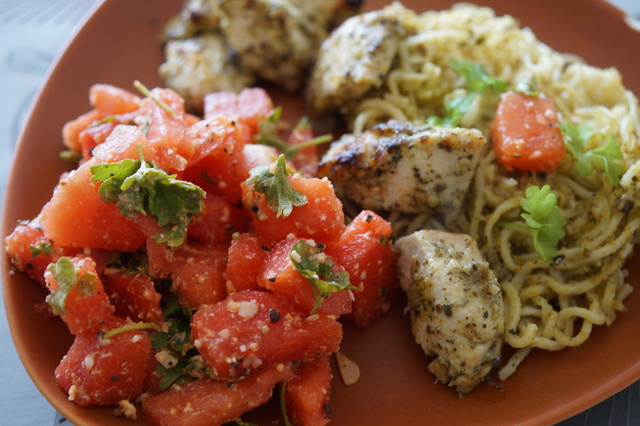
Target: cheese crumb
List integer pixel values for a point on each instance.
(349, 370)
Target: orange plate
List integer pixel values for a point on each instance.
(119, 44)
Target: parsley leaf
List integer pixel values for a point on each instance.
(543, 219)
(603, 157)
(66, 275)
(139, 186)
(315, 266)
(279, 194)
(478, 81)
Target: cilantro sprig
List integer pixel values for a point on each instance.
(543, 220)
(140, 187)
(268, 134)
(313, 264)
(280, 195)
(478, 82)
(604, 158)
(41, 247)
(66, 275)
(175, 341)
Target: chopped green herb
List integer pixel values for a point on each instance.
(268, 134)
(41, 247)
(478, 81)
(283, 406)
(143, 89)
(453, 111)
(529, 87)
(280, 195)
(70, 155)
(66, 275)
(603, 157)
(175, 341)
(139, 186)
(136, 263)
(543, 219)
(313, 264)
(477, 77)
(130, 327)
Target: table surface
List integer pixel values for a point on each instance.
(32, 32)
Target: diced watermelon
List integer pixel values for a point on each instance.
(252, 330)
(168, 132)
(321, 218)
(111, 100)
(218, 150)
(217, 222)
(249, 106)
(254, 155)
(86, 304)
(72, 128)
(31, 251)
(76, 216)
(245, 260)
(207, 401)
(365, 251)
(197, 271)
(134, 296)
(99, 371)
(279, 275)
(307, 395)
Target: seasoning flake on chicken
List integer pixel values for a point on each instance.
(398, 166)
(354, 59)
(455, 303)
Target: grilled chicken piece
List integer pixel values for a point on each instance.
(455, 303)
(195, 17)
(354, 59)
(200, 65)
(278, 39)
(398, 166)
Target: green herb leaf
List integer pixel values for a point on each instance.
(543, 219)
(279, 194)
(268, 134)
(453, 111)
(66, 275)
(313, 264)
(130, 327)
(478, 81)
(603, 157)
(146, 92)
(172, 374)
(477, 77)
(139, 186)
(41, 247)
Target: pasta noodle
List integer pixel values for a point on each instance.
(549, 305)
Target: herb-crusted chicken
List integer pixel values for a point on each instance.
(354, 59)
(217, 45)
(200, 65)
(398, 166)
(455, 303)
